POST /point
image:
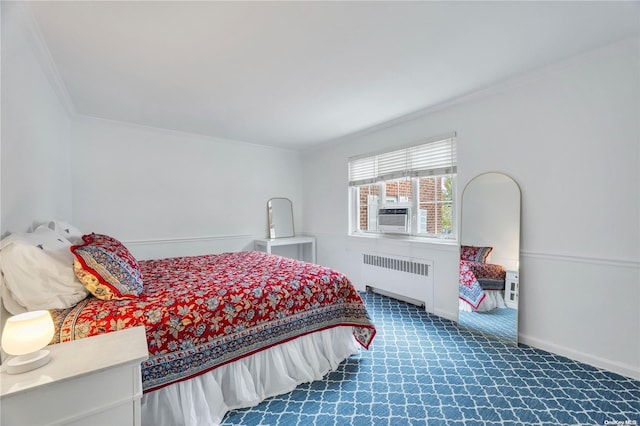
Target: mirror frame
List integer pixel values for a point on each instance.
(280, 216)
(510, 264)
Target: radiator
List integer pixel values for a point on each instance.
(402, 278)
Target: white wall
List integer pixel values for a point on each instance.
(166, 193)
(569, 136)
(35, 157)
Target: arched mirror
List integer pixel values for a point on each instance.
(490, 256)
(280, 213)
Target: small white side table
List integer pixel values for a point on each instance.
(91, 381)
(306, 246)
(511, 289)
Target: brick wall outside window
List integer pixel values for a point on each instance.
(365, 191)
(431, 196)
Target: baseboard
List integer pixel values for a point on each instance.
(451, 316)
(397, 296)
(602, 363)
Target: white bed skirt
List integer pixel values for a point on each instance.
(204, 400)
(494, 299)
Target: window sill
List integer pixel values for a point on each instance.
(404, 238)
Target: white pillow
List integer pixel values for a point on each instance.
(37, 271)
(52, 243)
(66, 230)
(13, 307)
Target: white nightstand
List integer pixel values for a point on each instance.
(306, 246)
(511, 289)
(92, 381)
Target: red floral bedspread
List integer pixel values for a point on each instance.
(202, 312)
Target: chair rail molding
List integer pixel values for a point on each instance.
(563, 257)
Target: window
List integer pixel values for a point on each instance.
(418, 180)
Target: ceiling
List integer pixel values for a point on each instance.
(297, 74)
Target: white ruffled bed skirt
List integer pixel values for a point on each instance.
(494, 299)
(204, 400)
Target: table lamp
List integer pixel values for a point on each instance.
(24, 336)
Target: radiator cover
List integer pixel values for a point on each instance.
(403, 278)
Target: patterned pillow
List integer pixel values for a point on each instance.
(106, 268)
(475, 254)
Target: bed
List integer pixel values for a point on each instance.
(481, 283)
(224, 331)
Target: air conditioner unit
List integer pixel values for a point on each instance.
(394, 220)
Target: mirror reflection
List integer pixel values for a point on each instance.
(489, 256)
(280, 213)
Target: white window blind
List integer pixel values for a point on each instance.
(436, 157)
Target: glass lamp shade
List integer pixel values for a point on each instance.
(24, 336)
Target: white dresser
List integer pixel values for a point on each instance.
(93, 381)
(512, 289)
(305, 247)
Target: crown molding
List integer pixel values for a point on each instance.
(513, 83)
(42, 53)
(178, 133)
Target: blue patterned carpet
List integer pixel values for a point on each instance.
(500, 323)
(424, 370)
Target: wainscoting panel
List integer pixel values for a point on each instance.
(585, 308)
(189, 246)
